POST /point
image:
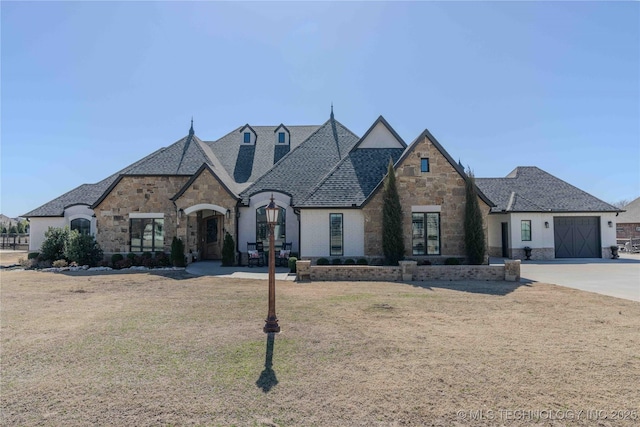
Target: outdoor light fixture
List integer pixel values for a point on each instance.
(271, 323)
(610, 224)
(546, 224)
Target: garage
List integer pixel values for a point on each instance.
(577, 237)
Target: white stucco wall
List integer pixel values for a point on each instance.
(380, 137)
(314, 229)
(247, 220)
(495, 229)
(38, 226)
(542, 237)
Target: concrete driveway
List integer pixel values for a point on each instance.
(614, 277)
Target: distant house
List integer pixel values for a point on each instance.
(555, 219)
(326, 180)
(628, 223)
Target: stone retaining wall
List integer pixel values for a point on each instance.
(409, 271)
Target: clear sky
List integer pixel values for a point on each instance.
(88, 88)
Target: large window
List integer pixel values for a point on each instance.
(262, 228)
(147, 234)
(425, 227)
(336, 235)
(525, 230)
(82, 225)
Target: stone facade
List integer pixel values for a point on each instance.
(409, 271)
(442, 186)
(536, 253)
(205, 189)
(140, 194)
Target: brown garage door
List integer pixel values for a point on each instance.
(577, 237)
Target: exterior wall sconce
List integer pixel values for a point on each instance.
(546, 224)
(180, 212)
(228, 213)
(610, 224)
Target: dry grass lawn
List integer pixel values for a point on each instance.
(172, 349)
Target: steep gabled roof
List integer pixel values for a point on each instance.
(204, 167)
(247, 163)
(355, 177)
(298, 172)
(530, 189)
(351, 182)
(632, 213)
(440, 148)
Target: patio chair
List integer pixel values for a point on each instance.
(282, 257)
(255, 254)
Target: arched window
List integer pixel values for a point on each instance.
(262, 228)
(83, 225)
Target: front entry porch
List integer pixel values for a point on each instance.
(203, 229)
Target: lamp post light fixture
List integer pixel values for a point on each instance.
(271, 323)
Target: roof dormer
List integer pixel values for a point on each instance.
(248, 136)
(283, 136)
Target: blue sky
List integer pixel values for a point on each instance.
(88, 88)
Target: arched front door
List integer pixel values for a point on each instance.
(211, 236)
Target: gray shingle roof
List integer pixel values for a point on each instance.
(353, 180)
(530, 189)
(298, 172)
(247, 163)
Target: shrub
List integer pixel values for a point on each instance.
(103, 263)
(131, 256)
(228, 251)
(336, 261)
(425, 262)
(322, 261)
(115, 258)
(60, 263)
(349, 261)
(474, 240)
(162, 259)
(147, 255)
(149, 262)
(177, 252)
(452, 261)
(54, 243)
(362, 261)
(33, 255)
(28, 263)
(292, 264)
(392, 238)
(123, 263)
(83, 249)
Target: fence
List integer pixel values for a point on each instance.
(14, 241)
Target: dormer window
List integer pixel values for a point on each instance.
(282, 135)
(249, 135)
(247, 138)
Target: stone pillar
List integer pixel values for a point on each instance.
(408, 268)
(303, 270)
(512, 270)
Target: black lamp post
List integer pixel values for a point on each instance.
(271, 324)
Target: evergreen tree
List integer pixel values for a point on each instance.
(474, 240)
(228, 251)
(177, 252)
(392, 239)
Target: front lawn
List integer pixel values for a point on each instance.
(168, 348)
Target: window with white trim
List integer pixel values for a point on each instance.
(82, 225)
(336, 235)
(525, 230)
(425, 230)
(147, 234)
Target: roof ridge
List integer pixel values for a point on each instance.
(289, 154)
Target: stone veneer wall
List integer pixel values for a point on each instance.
(141, 194)
(409, 272)
(536, 253)
(442, 186)
(204, 189)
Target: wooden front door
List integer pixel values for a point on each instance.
(211, 237)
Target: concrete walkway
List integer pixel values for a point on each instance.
(215, 268)
(614, 277)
